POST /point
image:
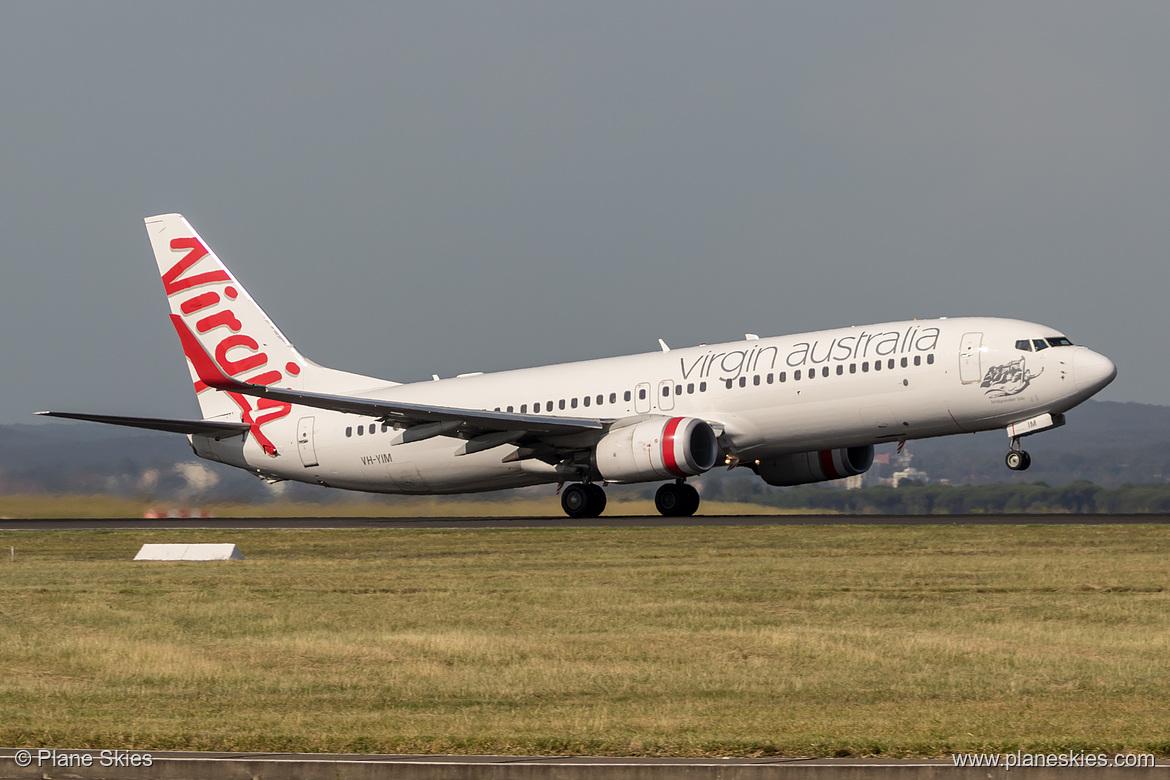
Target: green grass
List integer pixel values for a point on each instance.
(803, 640)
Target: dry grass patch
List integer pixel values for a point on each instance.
(682, 641)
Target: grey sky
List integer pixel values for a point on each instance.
(450, 187)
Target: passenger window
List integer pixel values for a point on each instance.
(783, 376)
(702, 387)
(666, 391)
(523, 408)
(601, 400)
(743, 381)
(890, 364)
(349, 431)
(573, 403)
(678, 389)
(1024, 345)
(690, 388)
(756, 380)
(548, 405)
(509, 409)
(812, 373)
(372, 427)
(840, 369)
(918, 360)
(730, 382)
(536, 408)
(852, 368)
(905, 362)
(1039, 344)
(865, 367)
(770, 378)
(626, 395)
(586, 399)
(796, 375)
(361, 430)
(641, 394)
(825, 371)
(877, 365)
(386, 426)
(930, 359)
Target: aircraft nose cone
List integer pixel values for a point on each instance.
(1092, 371)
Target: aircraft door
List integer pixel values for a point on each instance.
(305, 442)
(666, 395)
(970, 366)
(642, 398)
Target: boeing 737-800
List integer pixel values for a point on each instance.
(793, 409)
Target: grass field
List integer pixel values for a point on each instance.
(889, 641)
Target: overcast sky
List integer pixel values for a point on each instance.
(438, 187)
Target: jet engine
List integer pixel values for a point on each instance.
(820, 466)
(656, 448)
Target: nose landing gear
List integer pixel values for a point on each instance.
(1017, 459)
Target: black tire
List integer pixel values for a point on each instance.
(575, 500)
(597, 500)
(1018, 460)
(690, 499)
(668, 500)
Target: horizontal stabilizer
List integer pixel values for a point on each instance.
(159, 423)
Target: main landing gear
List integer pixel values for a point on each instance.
(585, 499)
(1017, 459)
(676, 499)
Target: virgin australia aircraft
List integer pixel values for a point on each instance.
(793, 409)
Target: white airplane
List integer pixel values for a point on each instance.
(793, 409)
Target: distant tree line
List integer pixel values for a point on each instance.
(910, 499)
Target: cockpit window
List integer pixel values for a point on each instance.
(1024, 345)
(1039, 344)
(1059, 341)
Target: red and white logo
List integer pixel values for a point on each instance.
(236, 352)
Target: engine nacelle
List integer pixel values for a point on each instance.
(656, 448)
(805, 467)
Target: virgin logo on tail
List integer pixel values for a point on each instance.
(211, 310)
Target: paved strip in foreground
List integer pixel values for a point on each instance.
(166, 765)
(630, 521)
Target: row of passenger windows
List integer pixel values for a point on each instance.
(689, 389)
(1057, 341)
(599, 400)
(372, 428)
(811, 373)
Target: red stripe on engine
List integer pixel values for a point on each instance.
(830, 471)
(668, 458)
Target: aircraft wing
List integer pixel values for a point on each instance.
(473, 421)
(414, 414)
(167, 424)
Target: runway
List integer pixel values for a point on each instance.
(630, 521)
(174, 765)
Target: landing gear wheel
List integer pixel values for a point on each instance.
(575, 500)
(596, 500)
(676, 500)
(691, 499)
(1018, 460)
(579, 500)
